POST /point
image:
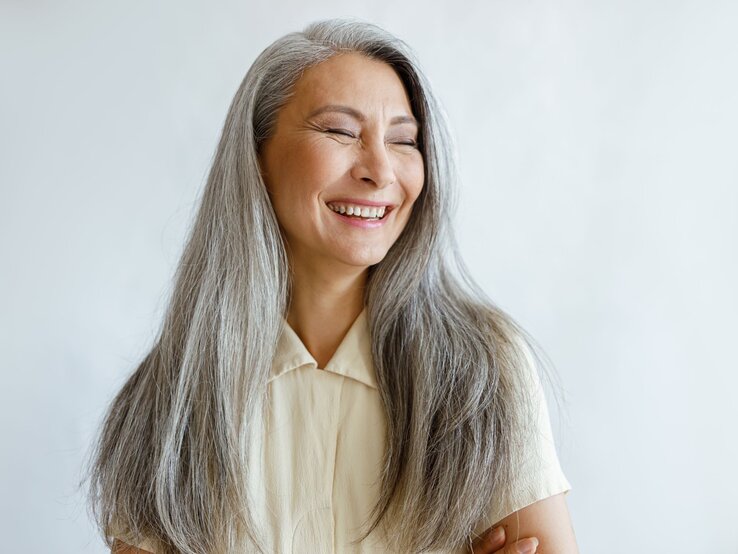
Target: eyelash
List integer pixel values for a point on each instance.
(345, 133)
(341, 132)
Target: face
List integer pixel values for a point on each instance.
(345, 141)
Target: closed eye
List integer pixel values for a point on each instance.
(346, 133)
(343, 132)
(407, 143)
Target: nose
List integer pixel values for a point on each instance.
(374, 165)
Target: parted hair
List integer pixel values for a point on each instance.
(171, 462)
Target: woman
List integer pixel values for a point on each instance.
(323, 381)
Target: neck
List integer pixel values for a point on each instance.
(325, 302)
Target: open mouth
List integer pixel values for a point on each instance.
(365, 213)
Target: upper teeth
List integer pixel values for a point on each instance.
(362, 211)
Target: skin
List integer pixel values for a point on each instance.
(313, 158)
(545, 526)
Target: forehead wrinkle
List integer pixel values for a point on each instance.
(340, 108)
(333, 89)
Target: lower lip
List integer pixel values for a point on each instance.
(364, 223)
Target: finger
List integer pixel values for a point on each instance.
(528, 545)
(492, 540)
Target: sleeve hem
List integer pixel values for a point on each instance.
(554, 488)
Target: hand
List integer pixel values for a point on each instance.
(493, 540)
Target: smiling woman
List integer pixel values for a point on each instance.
(346, 141)
(323, 381)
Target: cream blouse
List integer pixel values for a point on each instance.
(318, 466)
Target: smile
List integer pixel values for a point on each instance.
(367, 217)
(359, 211)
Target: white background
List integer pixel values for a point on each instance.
(597, 144)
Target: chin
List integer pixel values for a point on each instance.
(365, 260)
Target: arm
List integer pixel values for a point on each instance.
(493, 541)
(549, 521)
(543, 514)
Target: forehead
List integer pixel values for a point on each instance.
(355, 80)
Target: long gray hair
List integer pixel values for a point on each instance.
(171, 461)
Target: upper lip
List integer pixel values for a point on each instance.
(361, 202)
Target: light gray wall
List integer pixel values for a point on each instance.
(597, 142)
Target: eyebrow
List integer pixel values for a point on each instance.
(356, 114)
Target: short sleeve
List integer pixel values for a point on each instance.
(539, 475)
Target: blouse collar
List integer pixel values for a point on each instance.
(353, 357)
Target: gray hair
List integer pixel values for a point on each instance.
(171, 460)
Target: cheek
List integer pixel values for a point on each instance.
(414, 177)
(309, 172)
(318, 161)
(303, 170)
